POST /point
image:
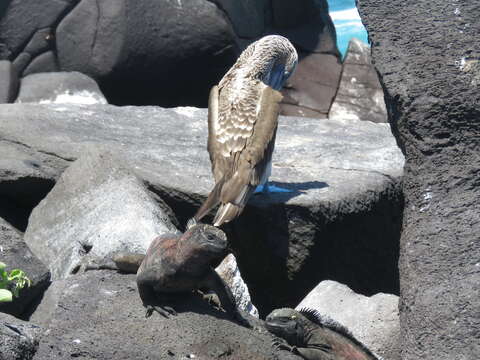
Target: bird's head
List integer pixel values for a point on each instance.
(272, 59)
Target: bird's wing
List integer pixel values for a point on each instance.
(253, 154)
(250, 162)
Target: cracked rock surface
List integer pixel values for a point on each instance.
(341, 202)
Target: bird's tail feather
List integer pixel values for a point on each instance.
(226, 213)
(212, 200)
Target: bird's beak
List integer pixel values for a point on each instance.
(277, 77)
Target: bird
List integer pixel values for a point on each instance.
(242, 123)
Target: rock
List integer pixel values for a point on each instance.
(247, 16)
(156, 49)
(8, 81)
(23, 22)
(340, 218)
(311, 89)
(228, 270)
(372, 320)
(60, 87)
(99, 315)
(18, 339)
(98, 207)
(45, 62)
(360, 95)
(421, 51)
(306, 24)
(16, 255)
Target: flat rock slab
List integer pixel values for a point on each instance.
(372, 320)
(99, 315)
(98, 207)
(342, 208)
(16, 255)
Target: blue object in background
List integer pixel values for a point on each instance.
(347, 23)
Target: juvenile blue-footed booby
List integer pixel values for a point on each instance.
(242, 122)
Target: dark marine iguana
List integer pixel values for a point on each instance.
(176, 264)
(314, 337)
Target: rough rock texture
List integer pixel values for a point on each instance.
(60, 87)
(427, 55)
(98, 207)
(18, 339)
(16, 255)
(340, 218)
(99, 315)
(228, 270)
(8, 82)
(372, 320)
(359, 95)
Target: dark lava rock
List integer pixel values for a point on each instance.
(16, 255)
(360, 95)
(23, 25)
(97, 208)
(45, 62)
(8, 82)
(99, 315)
(312, 88)
(248, 17)
(339, 219)
(427, 54)
(148, 52)
(18, 339)
(60, 87)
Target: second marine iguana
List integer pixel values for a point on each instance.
(313, 337)
(177, 264)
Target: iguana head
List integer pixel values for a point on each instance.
(287, 324)
(203, 243)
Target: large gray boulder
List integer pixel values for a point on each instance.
(60, 87)
(99, 315)
(18, 339)
(97, 207)
(16, 255)
(427, 55)
(359, 95)
(372, 320)
(339, 219)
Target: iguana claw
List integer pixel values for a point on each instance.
(165, 311)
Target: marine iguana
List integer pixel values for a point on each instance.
(242, 122)
(314, 337)
(176, 264)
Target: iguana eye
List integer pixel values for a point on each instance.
(293, 317)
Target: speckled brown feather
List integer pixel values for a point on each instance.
(242, 123)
